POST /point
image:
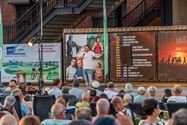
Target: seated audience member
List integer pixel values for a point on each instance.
(129, 89)
(151, 91)
(65, 90)
(166, 95)
(80, 122)
(177, 91)
(150, 107)
(56, 91)
(140, 97)
(58, 112)
(103, 95)
(96, 85)
(121, 112)
(84, 113)
(8, 107)
(25, 109)
(102, 108)
(61, 100)
(110, 92)
(93, 97)
(75, 90)
(8, 120)
(179, 117)
(11, 86)
(127, 99)
(30, 120)
(105, 121)
(85, 101)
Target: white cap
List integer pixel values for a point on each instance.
(141, 88)
(95, 84)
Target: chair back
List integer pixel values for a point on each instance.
(93, 109)
(42, 106)
(173, 107)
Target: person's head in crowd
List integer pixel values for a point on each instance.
(179, 117)
(66, 98)
(86, 48)
(9, 101)
(27, 97)
(177, 90)
(8, 120)
(58, 111)
(56, 83)
(65, 90)
(79, 63)
(95, 84)
(85, 97)
(93, 93)
(76, 83)
(128, 87)
(2, 114)
(84, 113)
(105, 121)
(117, 103)
(141, 90)
(167, 92)
(17, 92)
(150, 107)
(151, 91)
(102, 107)
(122, 92)
(111, 86)
(127, 99)
(12, 84)
(80, 122)
(61, 100)
(29, 120)
(103, 95)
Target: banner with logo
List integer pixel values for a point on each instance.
(24, 59)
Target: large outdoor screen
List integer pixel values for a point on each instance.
(134, 51)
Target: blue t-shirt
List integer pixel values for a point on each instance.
(24, 109)
(79, 72)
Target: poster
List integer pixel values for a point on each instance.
(141, 46)
(23, 58)
(75, 46)
(172, 54)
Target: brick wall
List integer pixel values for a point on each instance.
(8, 12)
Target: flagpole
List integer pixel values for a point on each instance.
(105, 41)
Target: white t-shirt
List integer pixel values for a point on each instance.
(110, 94)
(87, 59)
(177, 99)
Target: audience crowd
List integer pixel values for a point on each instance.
(94, 106)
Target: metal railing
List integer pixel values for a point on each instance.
(28, 21)
(140, 11)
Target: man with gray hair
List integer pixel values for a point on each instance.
(25, 109)
(102, 108)
(8, 120)
(8, 107)
(179, 117)
(58, 112)
(83, 113)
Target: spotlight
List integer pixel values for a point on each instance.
(32, 41)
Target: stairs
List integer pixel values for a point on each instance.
(57, 15)
(142, 14)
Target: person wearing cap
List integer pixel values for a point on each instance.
(96, 85)
(75, 90)
(140, 97)
(129, 89)
(56, 91)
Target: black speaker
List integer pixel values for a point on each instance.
(126, 55)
